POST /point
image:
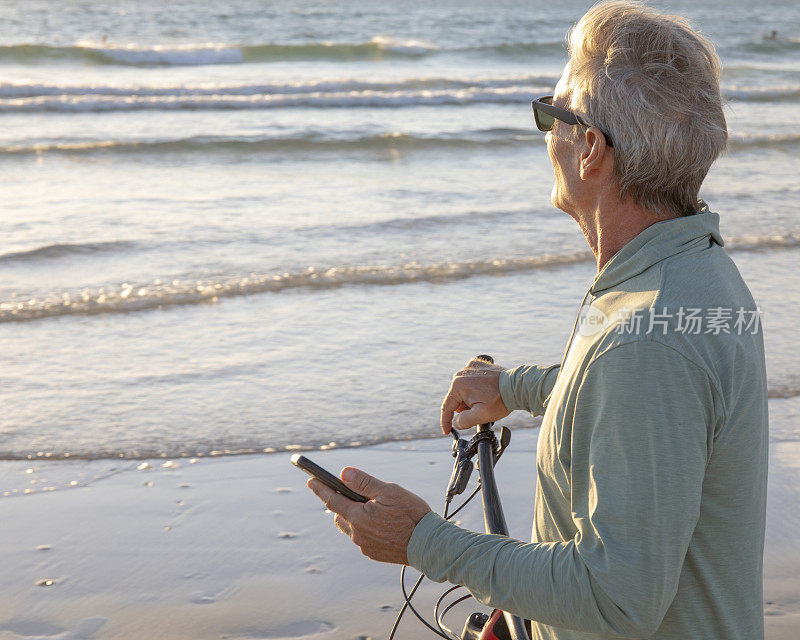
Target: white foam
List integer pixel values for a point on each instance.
(369, 98)
(408, 47)
(188, 54)
(161, 293)
(138, 297)
(333, 85)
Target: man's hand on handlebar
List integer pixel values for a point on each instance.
(474, 397)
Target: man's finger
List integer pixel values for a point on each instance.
(336, 502)
(450, 404)
(361, 482)
(471, 417)
(343, 525)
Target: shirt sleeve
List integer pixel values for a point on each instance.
(528, 387)
(641, 437)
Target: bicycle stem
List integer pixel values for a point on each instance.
(493, 518)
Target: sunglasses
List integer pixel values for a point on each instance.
(545, 115)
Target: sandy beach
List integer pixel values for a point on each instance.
(237, 547)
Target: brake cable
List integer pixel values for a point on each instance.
(407, 596)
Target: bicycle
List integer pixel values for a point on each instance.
(500, 625)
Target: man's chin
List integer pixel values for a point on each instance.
(559, 203)
(563, 207)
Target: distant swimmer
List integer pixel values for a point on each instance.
(773, 35)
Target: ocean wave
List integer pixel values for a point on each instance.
(314, 141)
(789, 240)
(188, 54)
(165, 449)
(334, 85)
(775, 45)
(431, 222)
(377, 48)
(761, 69)
(784, 93)
(158, 294)
(783, 391)
(176, 450)
(138, 297)
(180, 453)
(738, 141)
(343, 99)
(211, 53)
(333, 94)
(63, 250)
(307, 142)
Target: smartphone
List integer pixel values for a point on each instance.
(312, 469)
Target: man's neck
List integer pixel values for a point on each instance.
(609, 226)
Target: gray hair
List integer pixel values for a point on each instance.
(651, 82)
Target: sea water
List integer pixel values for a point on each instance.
(252, 226)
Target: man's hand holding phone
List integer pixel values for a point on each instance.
(380, 527)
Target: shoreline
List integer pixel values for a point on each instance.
(237, 547)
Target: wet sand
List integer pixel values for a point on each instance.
(238, 548)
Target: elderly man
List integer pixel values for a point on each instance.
(652, 454)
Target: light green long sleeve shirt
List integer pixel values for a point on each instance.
(651, 460)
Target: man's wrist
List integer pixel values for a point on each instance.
(507, 390)
(421, 538)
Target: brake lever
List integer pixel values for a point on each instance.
(505, 439)
(462, 468)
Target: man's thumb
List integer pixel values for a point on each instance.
(363, 483)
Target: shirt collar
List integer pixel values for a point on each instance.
(658, 242)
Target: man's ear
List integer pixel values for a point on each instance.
(594, 153)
